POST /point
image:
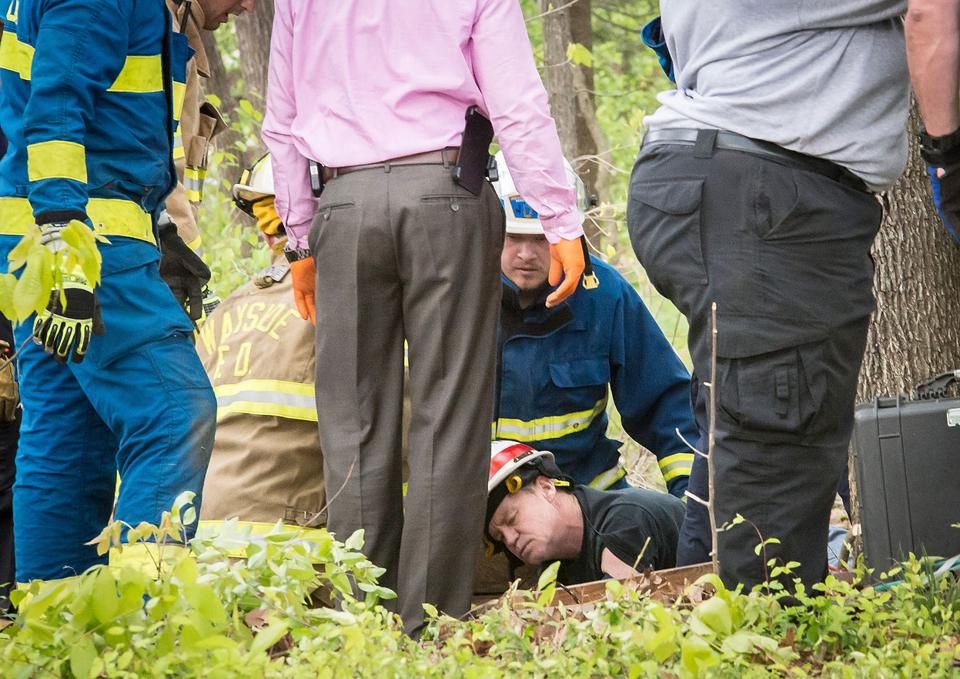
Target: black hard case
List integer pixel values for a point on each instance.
(907, 467)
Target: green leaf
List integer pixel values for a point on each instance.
(83, 252)
(355, 541)
(33, 288)
(214, 99)
(715, 614)
(105, 601)
(548, 576)
(8, 282)
(268, 636)
(696, 656)
(579, 55)
(18, 256)
(82, 655)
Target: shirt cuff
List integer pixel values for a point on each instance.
(562, 227)
(297, 235)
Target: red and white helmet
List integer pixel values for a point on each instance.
(508, 456)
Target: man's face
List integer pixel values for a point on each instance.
(216, 12)
(528, 523)
(525, 260)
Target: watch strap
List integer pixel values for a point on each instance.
(297, 254)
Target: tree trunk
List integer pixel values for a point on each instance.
(915, 331)
(253, 37)
(587, 165)
(558, 74)
(220, 84)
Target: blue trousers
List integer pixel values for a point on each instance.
(140, 405)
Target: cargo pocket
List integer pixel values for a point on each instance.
(664, 224)
(775, 397)
(210, 125)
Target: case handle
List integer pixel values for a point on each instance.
(936, 387)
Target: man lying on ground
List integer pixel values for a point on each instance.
(539, 516)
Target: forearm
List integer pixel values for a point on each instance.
(294, 199)
(933, 54)
(64, 90)
(524, 128)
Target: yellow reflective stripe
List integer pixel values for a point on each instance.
(57, 160)
(210, 527)
(178, 151)
(15, 56)
(113, 217)
(179, 94)
(277, 398)
(237, 547)
(196, 244)
(144, 556)
(140, 74)
(193, 182)
(606, 479)
(545, 428)
(678, 464)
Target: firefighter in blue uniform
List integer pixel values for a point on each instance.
(111, 383)
(557, 366)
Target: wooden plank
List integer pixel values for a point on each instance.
(665, 584)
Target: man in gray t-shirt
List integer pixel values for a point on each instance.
(753, 190)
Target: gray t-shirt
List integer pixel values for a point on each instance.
(827, 78)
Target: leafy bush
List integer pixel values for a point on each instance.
(210, 615)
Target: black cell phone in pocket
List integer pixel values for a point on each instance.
(471, 169)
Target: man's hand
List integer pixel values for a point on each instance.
(9, 394)
(182, 270)
(304, 279)
(566, 264)
(64, 328)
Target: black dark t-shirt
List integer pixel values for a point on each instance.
(621, 521)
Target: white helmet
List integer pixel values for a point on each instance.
(508, 456)
(521, 217)
(255, 183)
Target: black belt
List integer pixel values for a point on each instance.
(705, 140)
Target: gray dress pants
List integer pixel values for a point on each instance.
(402, 252)
(785, 254)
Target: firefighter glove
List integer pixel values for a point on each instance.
(566, 265)
(182, 269)
(304, 278)
(268, 221)
(64, 328)
(9, 394)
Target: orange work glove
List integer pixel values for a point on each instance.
(304, 278)
(566, 263)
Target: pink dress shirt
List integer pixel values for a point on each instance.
(362, 81)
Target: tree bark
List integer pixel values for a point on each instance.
(915, 331)
(253, 39)
(557, 72)
(587, 165)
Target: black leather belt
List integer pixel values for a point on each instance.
(705, 140)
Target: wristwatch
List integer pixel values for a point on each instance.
(942, 151)
(297, 254)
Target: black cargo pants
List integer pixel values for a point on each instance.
(784, 252)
